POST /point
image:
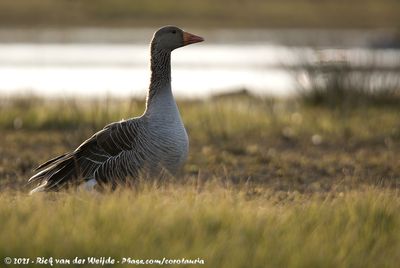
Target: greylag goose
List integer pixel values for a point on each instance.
(152, 143)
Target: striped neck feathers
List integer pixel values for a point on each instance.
(160, 65)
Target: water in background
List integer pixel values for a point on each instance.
(99, 62)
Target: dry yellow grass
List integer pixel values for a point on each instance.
(223, 226)
(268, 183)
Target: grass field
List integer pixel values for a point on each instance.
(202, 13)
(268, 183)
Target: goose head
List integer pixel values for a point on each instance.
(169, 38)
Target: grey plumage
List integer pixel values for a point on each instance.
(149, 144)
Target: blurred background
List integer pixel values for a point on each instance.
(292, 108)
(62, 48)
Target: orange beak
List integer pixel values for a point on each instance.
(189, 38)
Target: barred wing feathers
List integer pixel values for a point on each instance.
(109, 155)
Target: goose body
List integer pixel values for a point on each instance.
(153, 143)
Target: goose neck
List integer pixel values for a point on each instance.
(160, 81)
(160, 65)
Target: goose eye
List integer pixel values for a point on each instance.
(174, 31)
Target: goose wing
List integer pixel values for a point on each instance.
(106, 156)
